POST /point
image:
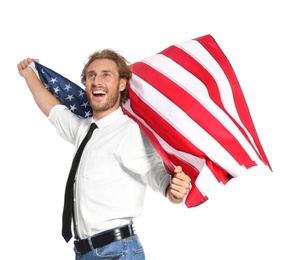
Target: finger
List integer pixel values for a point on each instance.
(177, 195)
(178, 169)
(178, 184)
(23, 64)
(178, 191)
(182, 176)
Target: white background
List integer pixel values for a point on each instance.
(252, 217)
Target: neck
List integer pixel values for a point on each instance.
(97, 115)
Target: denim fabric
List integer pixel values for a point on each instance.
(126, 249)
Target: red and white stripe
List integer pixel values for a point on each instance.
(189, 103)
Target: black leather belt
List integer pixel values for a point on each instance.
(83, 246)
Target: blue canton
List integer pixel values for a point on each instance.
(70, 94)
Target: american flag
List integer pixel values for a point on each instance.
(189, 103)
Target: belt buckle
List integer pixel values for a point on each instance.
(82, 246)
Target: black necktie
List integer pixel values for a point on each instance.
(68, 197)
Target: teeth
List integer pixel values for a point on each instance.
(98, 92)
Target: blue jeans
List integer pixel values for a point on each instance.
(126, 249)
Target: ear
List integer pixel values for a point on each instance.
(122, 84)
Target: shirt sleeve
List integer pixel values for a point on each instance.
(157, 176)
(67, 124)
(139, 156)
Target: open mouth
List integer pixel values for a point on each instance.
(99, 93)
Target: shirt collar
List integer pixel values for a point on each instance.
(110, 118)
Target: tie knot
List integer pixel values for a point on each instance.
(93, 126)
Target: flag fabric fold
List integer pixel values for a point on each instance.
(189, 103)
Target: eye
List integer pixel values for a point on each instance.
(106, 74)
(90, 75)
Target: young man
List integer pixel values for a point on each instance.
(117, 163)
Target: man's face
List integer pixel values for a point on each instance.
(103, 87)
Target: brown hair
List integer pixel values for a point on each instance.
(122, 65)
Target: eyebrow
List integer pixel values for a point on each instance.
(102, 71)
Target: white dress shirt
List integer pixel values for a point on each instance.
(117, 164)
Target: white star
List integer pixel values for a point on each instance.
(85, 104)
(82, 93)
(54, 80)
(88, 114)
(72, 108)
(56, 89)
(70, 97)
(68, 87)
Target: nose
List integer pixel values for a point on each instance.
(97, 80)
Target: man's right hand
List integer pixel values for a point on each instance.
(23, 65)
(43, 98)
